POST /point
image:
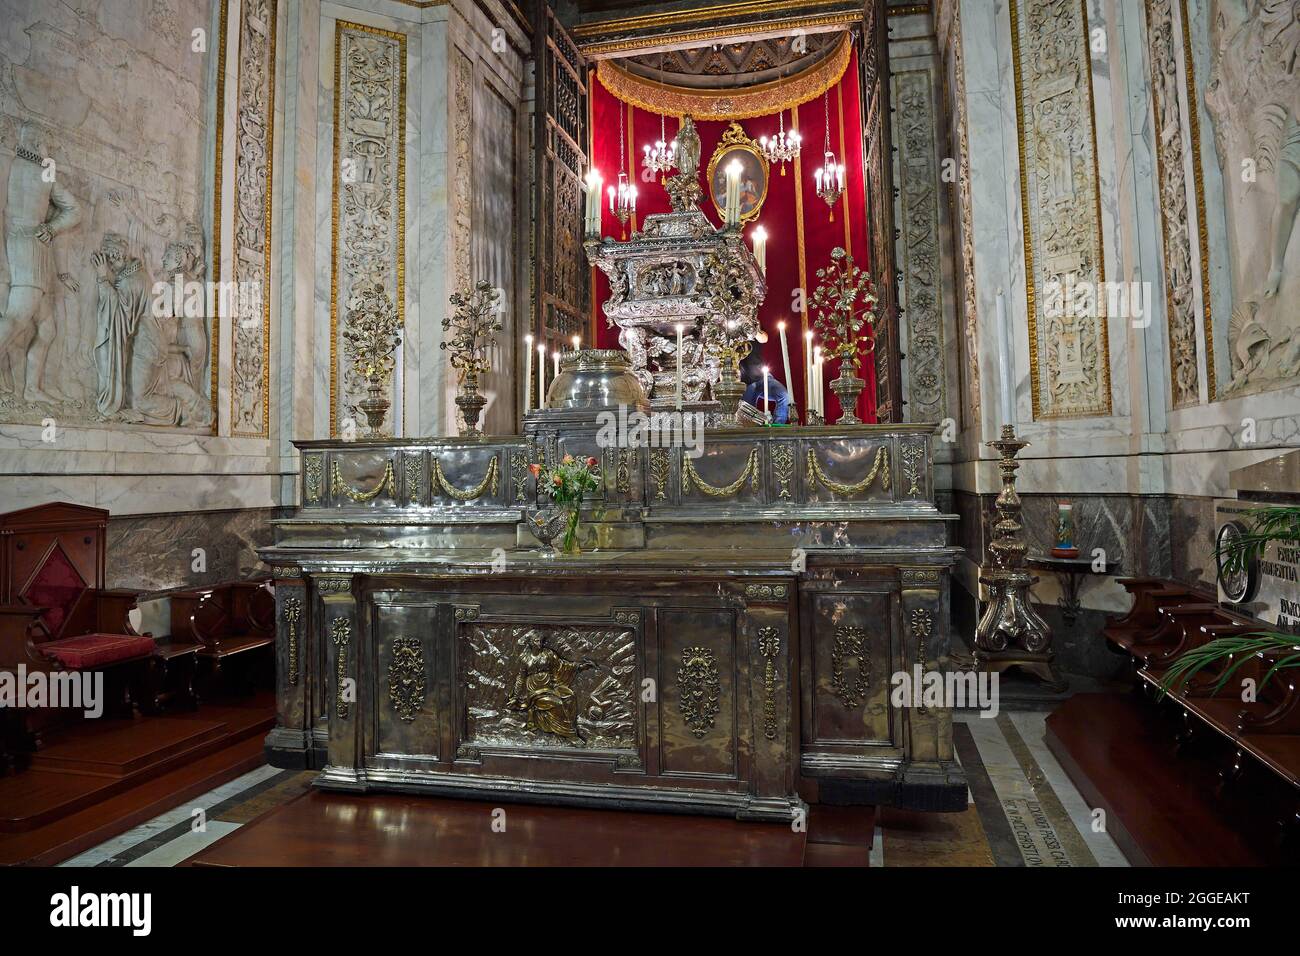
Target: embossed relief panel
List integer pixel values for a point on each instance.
(1069, 358)
(463, 475)
(845, 470)
(849, 657)
(539, 686)
(361, 479)
(697, 692)
(369, 195)
(727, 472)
(407, 705)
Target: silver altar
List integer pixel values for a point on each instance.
(725, 644)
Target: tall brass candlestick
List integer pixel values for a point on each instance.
(1011, 633)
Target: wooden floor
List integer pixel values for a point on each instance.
(98, 779)
(331, 829)
(1162, 808)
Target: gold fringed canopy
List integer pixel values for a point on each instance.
(762, 99)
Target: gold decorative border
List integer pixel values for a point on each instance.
(761, 99)
(400, 293)
(745, 8)
(214, 340)
(1030, 276)
(1202, 227)
(266, 253)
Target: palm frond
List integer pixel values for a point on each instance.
(1239, 648)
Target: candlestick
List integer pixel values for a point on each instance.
(760, 248)
(767, 401)
(577, 341)
(679, 367)
(785, 360)
(1004, 363)
(541, 376)
(555, 364)
(528, 373)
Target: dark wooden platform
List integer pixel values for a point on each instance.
(1162, 809)
(330, 829)
(101, 778)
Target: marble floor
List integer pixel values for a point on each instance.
(1023, 811)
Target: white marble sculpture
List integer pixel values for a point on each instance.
(123, 300)
(37, 211)
(1253, 97)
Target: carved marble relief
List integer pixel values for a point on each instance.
(1069, 362)
(540, 686)
(948, 17)
(250, 357)
(1172, 156)
(462, 151)
(1253, 98)
(369, 190)
(920, 260)
(102, 201)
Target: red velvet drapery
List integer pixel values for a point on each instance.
(792, 259)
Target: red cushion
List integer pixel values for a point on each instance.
(96, 650)
(56, 588)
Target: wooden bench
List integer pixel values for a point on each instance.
(1167, 621)
(56, 615)
(225, 623)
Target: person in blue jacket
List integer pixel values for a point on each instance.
(751, 373)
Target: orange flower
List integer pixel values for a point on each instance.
(536, 469)
(556, 480)
(566, 459)
(591, 463)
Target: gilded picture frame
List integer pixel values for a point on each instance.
(736, 144)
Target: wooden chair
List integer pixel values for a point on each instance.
(229, 622)
(56, 614)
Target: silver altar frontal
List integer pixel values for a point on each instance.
(726, 642)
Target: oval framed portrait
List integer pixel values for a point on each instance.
(753, 173)
(1240, 584)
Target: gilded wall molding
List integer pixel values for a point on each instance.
(250, 356)
(368, 226)
(1061, 207)
(920, 261)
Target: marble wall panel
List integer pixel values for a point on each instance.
(157, 552)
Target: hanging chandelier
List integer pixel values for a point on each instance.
(830, 176)
(663, 156)
(783, 147)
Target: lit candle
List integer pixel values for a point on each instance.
(679, 366)
(577, 340)
(808, 370)
(1004, 363)
(528, 373)
(593, 203)
(760, 248)
(785, 360)
(817, 380)
(612, 192)
(541, 376)
(732, 217)
(767, 400)
(555, 364)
